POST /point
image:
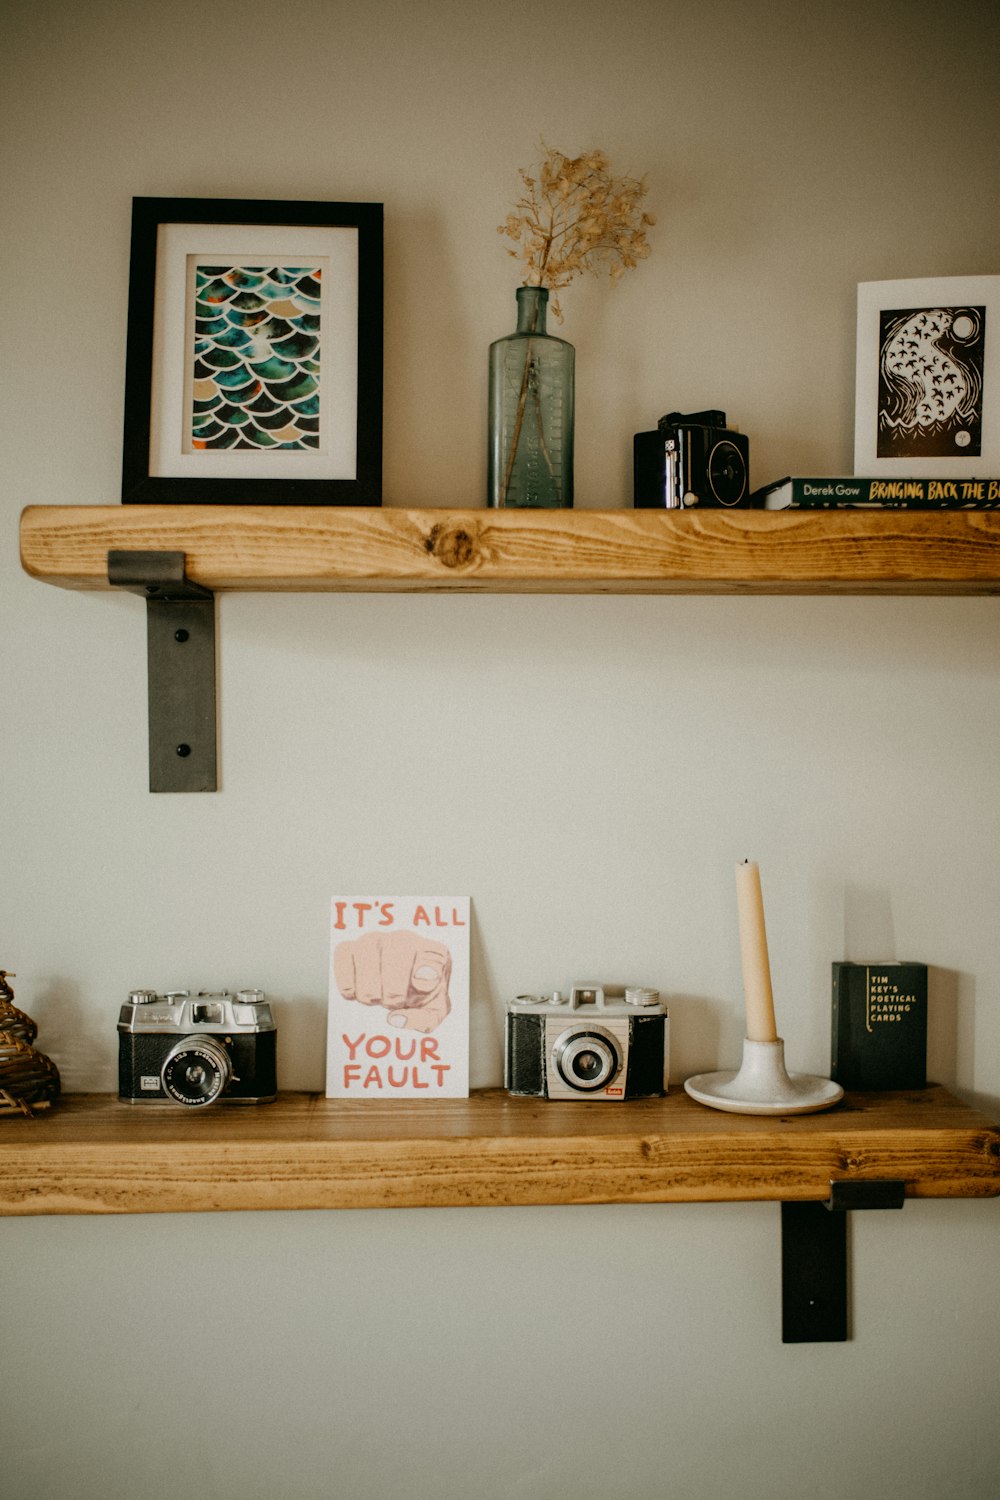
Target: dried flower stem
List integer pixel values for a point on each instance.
(526, 384)
(575, 217)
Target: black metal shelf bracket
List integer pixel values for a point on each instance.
(180, 650)
(814, 1292)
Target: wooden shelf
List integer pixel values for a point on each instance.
(91, 1154)
(313, 548)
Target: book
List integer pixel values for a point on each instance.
(879, 1031)
(398, 1009)
(882, 494)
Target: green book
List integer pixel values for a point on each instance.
(888, 493)
(879, 1038)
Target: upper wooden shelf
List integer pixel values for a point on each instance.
(91, 1154)
(366, 549)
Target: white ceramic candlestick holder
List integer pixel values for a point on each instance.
(761, 1086)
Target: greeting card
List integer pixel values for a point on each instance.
(398, 1017)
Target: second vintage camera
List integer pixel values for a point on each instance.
(591, 1046)
(691, 460)
(179, 1048)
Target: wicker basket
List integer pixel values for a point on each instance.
(28, 1079)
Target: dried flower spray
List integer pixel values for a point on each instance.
(575, 217)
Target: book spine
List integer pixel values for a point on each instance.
(886, 494)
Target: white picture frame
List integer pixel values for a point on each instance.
(927, 391)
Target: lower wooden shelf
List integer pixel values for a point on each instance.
(91, 1154)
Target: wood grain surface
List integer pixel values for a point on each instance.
(91, 1154)
(314, 548)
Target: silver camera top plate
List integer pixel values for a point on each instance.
(181, 1012)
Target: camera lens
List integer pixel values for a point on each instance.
(196, 1071)
(727, 473)
(586, 1066)
(587, 1060)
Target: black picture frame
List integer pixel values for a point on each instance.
(160, 462)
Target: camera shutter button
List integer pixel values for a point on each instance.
(639, 995)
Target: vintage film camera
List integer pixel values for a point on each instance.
(589, 1046)
(180, 1048)
(691, 460)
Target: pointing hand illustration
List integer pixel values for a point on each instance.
(403, 971)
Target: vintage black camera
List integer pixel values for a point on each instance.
(691, 460)
(588, 1047)
(179, 1048)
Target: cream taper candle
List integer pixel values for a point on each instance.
(753, 954)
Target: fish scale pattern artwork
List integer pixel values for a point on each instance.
(256, 371)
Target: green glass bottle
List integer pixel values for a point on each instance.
(531, 412)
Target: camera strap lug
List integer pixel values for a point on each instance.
(814, 1285)
(180, 652)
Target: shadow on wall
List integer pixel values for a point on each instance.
(695, 1037)
(951, 1035)
(79, 1051)
(949, 995)
(869, 929)
(487, 1011)
(301, 1023)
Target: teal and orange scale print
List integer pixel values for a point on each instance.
(256, 358)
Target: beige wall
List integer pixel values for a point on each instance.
(588, 769)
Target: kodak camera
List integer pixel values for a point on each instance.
(590, 1046)
(180, 1048)
(691, 460)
